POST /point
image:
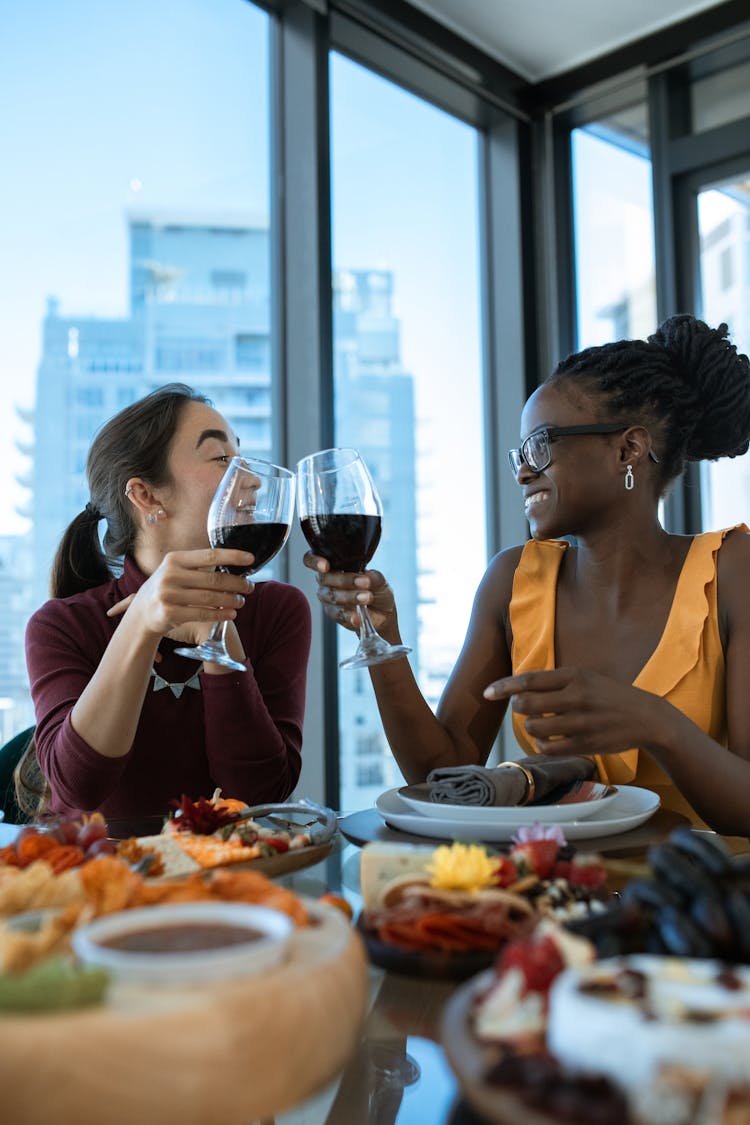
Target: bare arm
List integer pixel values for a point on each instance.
(465, 726)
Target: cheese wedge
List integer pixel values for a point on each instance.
(175, 859)
(381, 863)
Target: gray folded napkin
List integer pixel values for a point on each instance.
(498, 785)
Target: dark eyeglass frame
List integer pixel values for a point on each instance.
(518, 457)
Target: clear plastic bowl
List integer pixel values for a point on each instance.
(166, 927)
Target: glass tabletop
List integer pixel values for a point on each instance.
(399, 1074)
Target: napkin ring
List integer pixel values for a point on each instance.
(530, 783)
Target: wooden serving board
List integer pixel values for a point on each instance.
(470, 1060)
(234, 1051)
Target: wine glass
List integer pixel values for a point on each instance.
(340, 513)
(251, 510)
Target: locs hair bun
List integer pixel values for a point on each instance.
(713, 399)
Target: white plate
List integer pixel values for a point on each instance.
(418, 798)
(631, 807)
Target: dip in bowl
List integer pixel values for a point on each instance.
(185, 942)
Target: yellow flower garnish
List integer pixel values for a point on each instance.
(464, 867)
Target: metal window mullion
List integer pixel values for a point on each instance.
(302, 312)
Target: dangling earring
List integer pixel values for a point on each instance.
(154, 517)
(629, 478)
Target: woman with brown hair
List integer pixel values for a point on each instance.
(123, 723)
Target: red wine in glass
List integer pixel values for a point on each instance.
(341, 518)
(347, 541)
(264, 540)
(251, 511)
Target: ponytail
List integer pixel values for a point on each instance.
(79, 562)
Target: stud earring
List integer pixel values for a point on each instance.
(629, 478)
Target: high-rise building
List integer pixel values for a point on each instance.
(375, 413)
(16, 711)
(199, 313)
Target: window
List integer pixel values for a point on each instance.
(613, 228)
(157, 142)
(720, 98)
(724, 225)
(406, 336)
(252, 353)
(228, 279)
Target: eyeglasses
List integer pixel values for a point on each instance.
(536, 451)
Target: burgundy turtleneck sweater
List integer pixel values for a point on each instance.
(242, 731)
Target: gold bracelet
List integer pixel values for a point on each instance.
(530, 783)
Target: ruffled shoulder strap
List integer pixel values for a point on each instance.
(681, 643)
(690, 642)
(533, 602)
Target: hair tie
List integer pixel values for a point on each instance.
(93, 511)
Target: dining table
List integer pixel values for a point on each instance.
(399, 1073)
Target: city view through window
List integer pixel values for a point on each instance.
(615, 270)
(137, 252)
(146, 260)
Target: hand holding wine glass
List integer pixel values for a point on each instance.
(341, 517)
(251, 511)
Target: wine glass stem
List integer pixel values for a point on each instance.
(218, 629)
(367, 630)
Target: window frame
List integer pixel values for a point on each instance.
(302, 38)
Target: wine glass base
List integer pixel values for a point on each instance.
(213, 654)
(365, 657)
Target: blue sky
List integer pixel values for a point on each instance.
(172, 95)
(166, 105)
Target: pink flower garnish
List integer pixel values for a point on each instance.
(538, 831)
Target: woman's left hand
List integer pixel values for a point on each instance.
(578, 711)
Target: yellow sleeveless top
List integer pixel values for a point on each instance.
(686, 667)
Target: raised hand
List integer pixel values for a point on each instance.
(579, 711)
(186, 594)
(339, 593)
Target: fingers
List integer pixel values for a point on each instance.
(552, 680)
(315, 562)
(343, 616)
(120, 607)
(208, 557)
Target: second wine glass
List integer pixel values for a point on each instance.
(341, 517)
(252, 510)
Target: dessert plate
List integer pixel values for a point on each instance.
(590, 797)
(630, 807)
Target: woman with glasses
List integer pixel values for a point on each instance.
(629, 646)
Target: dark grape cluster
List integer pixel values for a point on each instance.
(694, 903)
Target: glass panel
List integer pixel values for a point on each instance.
(613, 227)
(720, 98)
(135, 251)
(724, 224)
(408, 381)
